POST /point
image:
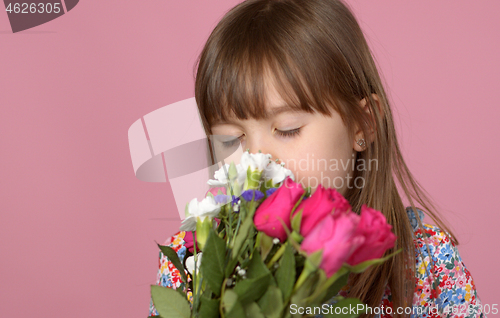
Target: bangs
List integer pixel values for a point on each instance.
(241, 88)
(238, 70)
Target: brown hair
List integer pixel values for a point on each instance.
(318, 58)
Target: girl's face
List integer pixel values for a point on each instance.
(316, 148)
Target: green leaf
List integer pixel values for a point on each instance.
(230, 267)
(174, 258)
(236, 312)
(169, 303)
(315, 258)
(251, 289)
(231, 305)
(242, 235)
(361, 267)
(232, 171)
(253, 310)
(304, 291)
(256, 267)
(325, 283)
(266, 244)
(257, 281)
(348, 303)
(285, 275)
(296, 220)
(229, 299)
(334, 289)
(212, 266)
(271, 303)
(209, 307)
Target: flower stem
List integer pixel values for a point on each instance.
(329, 282)
(195, 287)
(309, 268)
(302, 278)
(277, 256)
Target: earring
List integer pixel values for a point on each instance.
(361, 143)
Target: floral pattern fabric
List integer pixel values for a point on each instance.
(456, 294)
(168, 275)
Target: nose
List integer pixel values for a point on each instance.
(256, 144)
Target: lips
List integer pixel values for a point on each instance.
(28, 14)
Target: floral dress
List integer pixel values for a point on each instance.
(456, 293)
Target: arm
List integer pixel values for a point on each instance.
(456, 294)
(168, 275)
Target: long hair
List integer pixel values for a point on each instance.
(318, 58)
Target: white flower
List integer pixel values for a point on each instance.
(190, 263)
(277, 173)
(256, 161)
(221, 176)
(207, 207)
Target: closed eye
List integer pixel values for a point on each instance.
(231, 142)
(282, 133)
(288, 133)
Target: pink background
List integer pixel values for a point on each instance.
(78, 229)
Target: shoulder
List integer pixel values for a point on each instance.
(176, 241)
(436, 256)
(442, 279)
(437, 239)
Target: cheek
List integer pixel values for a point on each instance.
(315, 168)
(326, 159)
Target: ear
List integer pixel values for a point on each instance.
(359, 133)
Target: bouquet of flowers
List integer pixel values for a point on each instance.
(263, 246)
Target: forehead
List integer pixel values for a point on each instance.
(257, 95)
(273, 98)
(274, 105)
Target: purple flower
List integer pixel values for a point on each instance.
(222, 198)
(271, 191)
(235, 200)
(248, 195)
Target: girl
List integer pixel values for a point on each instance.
(296, 79)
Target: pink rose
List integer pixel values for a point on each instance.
(188, 242)
(215, 190)
(336, 236)
(278, 206)
(320, 204)
(377, 234)
(188, 239)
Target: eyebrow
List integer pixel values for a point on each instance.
(276, 110)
